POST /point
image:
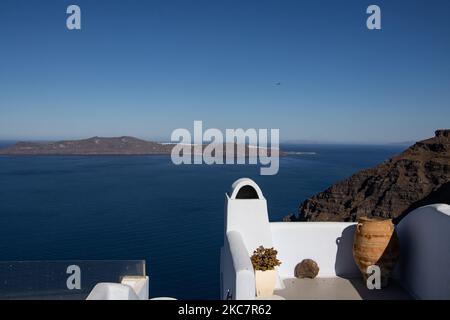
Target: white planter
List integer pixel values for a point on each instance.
(265, 282)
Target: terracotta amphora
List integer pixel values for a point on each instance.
(376, 243)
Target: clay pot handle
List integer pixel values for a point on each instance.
(358, 227)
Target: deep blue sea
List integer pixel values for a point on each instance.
(144, 207)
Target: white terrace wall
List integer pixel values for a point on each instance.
(424, 265)
(423, 268)
(327, 243)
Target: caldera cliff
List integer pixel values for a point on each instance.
(418, 176)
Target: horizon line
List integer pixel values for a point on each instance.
(161, 140)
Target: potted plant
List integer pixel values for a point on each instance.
(264, 261)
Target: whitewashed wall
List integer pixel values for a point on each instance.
(424, 265)
(327, 243)
(423, 268)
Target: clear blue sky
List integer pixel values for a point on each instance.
(144, 68)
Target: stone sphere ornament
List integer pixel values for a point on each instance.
(307, 269)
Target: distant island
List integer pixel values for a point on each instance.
(98, 146)
(418, 176)
(91, 146)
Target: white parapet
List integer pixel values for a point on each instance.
(246, 228)
(328, 243)
(131, 288)
(424, 234)
(139, 286)
(424, 265)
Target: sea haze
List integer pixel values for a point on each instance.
(144, 207)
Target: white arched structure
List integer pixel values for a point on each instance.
(241, 184)
(422, 272)
(246, 213)
(246, 228)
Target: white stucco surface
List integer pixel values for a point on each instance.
(112, 291)
(424, 265)
(131, 288)
(423, 269)
(327, 243)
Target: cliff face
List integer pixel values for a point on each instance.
(418, 176)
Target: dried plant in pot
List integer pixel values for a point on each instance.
(264, 261)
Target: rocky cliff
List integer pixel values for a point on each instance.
(418, 176)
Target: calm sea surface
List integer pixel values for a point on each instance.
(144, 207)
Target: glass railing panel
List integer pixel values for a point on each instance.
(62, 279)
